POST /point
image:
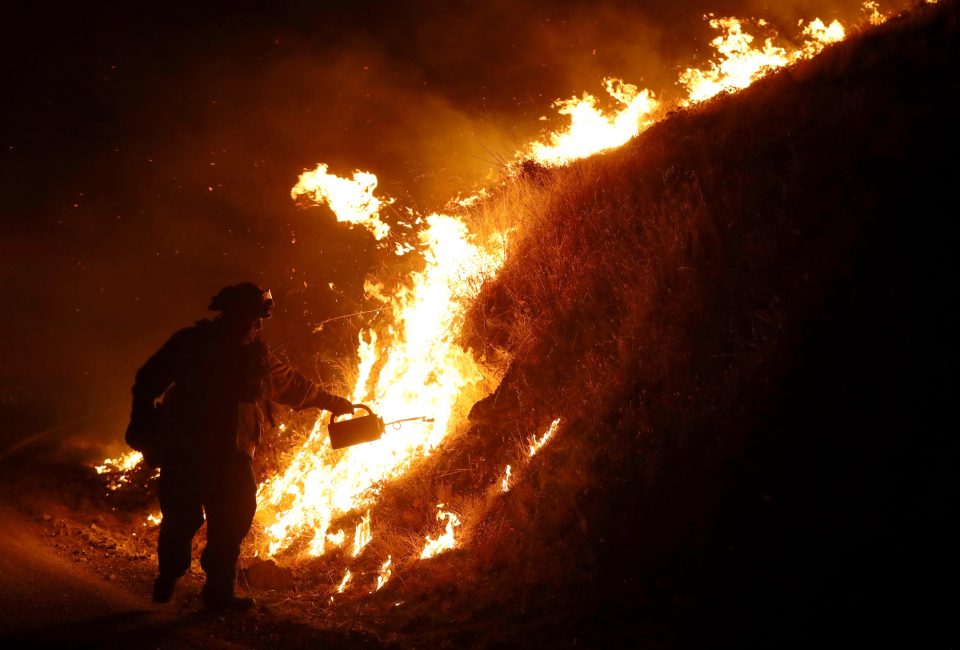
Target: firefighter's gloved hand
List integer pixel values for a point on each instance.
(340, 405)
(153, 457)
(142, 432)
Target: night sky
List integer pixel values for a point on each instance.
(148, 150)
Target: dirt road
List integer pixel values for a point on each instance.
(46, 600)
(62, 587)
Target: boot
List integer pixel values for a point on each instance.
(223, 600)
(163, 589)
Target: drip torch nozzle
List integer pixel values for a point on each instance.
(397, 423)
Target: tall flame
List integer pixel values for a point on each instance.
(414, 367)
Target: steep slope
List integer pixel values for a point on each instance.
(745, 320)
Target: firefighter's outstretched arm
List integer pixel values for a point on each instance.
(287, 386)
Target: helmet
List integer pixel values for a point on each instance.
(244, 299)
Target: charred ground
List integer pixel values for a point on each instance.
(745, 320)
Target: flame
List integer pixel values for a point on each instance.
(343, 583)
(362, 536)
(118, 469)
(352, 200)
(537, 443)
(740, 63)
(505, 483)
(442, 542)
(590, 130)
(817, 35)
(739, 66)
(384, 573)
(472, 199)
(872, 10)
(153, 519)
(121, 464)
(411, 367)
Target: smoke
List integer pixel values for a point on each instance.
(150, 153)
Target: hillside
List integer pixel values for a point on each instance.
(745, 318)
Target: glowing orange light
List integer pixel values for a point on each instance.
(591, 130)
(443, 542)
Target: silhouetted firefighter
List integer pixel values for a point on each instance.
(211, 381)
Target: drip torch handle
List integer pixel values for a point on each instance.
(366, 408)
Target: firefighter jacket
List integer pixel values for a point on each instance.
(212, 391)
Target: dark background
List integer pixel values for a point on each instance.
(148, 151)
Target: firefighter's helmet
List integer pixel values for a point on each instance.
(244, 299)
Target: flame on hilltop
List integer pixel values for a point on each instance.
(590, 130)
(873, 13)
(739, 63)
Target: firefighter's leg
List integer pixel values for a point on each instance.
(180, 505)
(230, 502)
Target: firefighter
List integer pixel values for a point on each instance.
(198, 411)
